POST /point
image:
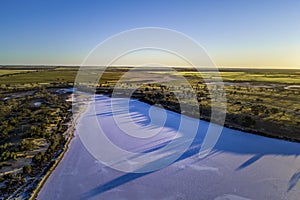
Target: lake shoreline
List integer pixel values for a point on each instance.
(226, 124)
(233, 126)
(71, 130)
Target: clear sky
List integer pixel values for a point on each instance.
(241, 33)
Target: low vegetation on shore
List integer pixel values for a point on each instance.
(32, 127)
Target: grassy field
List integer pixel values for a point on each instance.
(10, 72)
(21, 75)
(264, 77)
(40, 77)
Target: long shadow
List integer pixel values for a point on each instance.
(134, 112)
(293, 181)
(250, 161)
(112, 184)
(230, 141)
(132, 176)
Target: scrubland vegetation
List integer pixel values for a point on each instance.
(32, 125)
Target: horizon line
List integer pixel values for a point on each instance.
(176, 66)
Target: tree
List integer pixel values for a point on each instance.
(26, 145)
(27, 169)
(248, 121)
(38, 159)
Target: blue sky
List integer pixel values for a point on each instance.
(246, 33)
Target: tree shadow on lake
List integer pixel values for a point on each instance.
(230, 141)
(293, 181)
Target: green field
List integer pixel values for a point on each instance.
(39, 77)
(21, 75)
(7, 71)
